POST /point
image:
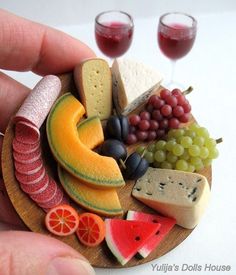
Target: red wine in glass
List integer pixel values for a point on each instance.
(114, 32)
(176, 36)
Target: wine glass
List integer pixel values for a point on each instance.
(114, 32)
(176, 36)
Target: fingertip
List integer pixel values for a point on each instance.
(37, 47)
(72, 266)
(12, 94)
(60, 53)
(45, 254)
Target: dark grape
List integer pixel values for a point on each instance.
(181, 100)
(160, 133)
(152, 99)
(164, 93)
(156, 114)
(153, 125)
(131, 139)
(149, 108)
(166, 110)
(184, 118)
(158, 103)
(187, 107)
(141, 135)
(144, 125)
(145, 115)
(132, 129)
(176, 92)
(134, 120)
(152, 135)
(171, 100)
(174, 123)
(161, 113)
(163, 124)
(178, 111)
(169, 116)
(113, 148)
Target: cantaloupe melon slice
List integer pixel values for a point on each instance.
(90, 132)
(85, 164)
(103, 202)
(100, 201)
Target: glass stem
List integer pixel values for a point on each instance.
(111, 60)
(172, 74)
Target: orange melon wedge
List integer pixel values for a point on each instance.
(83, 163)
(103, 202)
(90, 132)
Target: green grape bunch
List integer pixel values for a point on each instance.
(187, 149)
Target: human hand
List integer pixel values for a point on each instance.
(27, 253)
(29, 46)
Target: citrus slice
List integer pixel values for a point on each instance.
(91, 229)
(62, 220)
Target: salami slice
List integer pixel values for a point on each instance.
(26, 133)
(22, 148)
(63, 201)
(56, 200)
(36, 188)
(27, 158)
(36, 106)
(30, 168)
(47, 194)
(31, 179)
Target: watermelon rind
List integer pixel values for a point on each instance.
(130, 215)
(110, 243)
(144, 252)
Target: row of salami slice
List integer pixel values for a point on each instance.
(30, 171)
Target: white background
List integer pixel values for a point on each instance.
(209, 68)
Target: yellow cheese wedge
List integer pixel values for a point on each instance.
(94, 81)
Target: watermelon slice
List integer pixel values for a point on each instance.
(125, 238)
(166, 225)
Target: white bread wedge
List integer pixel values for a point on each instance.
(180, 195)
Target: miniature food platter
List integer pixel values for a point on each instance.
(33, 216)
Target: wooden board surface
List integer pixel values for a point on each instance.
(33, 216)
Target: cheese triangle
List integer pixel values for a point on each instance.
(180, 195)
(133, 82)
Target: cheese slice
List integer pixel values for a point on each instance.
(180, 195)
(133, 83)
(94, 81)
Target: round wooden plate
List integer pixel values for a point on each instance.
(33, 216)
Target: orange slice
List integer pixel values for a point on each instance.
(62, 220)
(91, 229)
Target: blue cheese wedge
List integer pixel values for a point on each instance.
(181, 195)
(133, 83)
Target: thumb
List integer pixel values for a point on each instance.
(32, 253)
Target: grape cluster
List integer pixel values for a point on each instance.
(162, 112)
(187, 149)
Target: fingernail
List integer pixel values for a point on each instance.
(72, 266)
